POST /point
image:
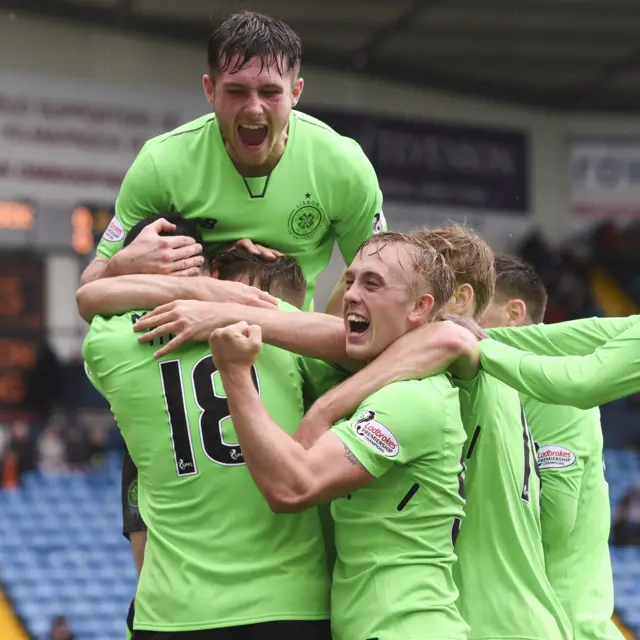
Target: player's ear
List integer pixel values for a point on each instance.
(517, 311)
(462, 300)
(298, 86)
(422, 309)
(208, 85)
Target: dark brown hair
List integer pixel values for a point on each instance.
(250, 35)
(281, 276)
(515, 278)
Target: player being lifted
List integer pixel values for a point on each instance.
(575, 501)
(392, 470)
(254, 169)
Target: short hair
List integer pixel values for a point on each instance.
(184, 227)
(469, 256)
(250, 35)
(430, 270)
(515, 278)
(281, 275)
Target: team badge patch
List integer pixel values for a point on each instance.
(376, 435)
(379, 223)
(115, 231)
(306, 219)
(132, 494)
(553, 456)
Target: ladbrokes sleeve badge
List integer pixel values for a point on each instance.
(115, 231)
(376, 435)
(553, 456)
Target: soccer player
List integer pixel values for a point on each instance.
(575, 501)
(500, 540)
(195, 491)
(253, 169)
(282, 274)
(500, 573)
(392, 470)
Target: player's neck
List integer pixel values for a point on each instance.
(260, 171)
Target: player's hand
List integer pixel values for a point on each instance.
(257, 249)
(152, 253)
(236, 346)
(231, 291)
(469, 324)
(186, 320)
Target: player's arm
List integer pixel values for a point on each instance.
(291, 477)
(421, 353)
(562, 434)
(559, 508)
(574, 338)
(611, 372)
(316, 335)
(140, 195)
(359, 212)
(113, 296)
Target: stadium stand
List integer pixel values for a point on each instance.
(62, 552)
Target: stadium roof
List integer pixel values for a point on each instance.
(578, 55)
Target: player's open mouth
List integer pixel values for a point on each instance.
(357, 324)
(252, 135)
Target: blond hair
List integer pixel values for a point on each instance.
(430, 271)
(469, 256)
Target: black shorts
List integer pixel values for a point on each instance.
(131, 519)
(281, 630)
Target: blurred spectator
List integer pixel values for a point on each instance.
(98, 444)
(23, 447)
(78, 448)
(626, 524)
(4, 440)
(45, 384)
(566, 274)
(51, 450)
(60, 629)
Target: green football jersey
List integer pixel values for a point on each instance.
(323, 189)
(393, 575)
(575, 515)
(500, 573)
(575, 500)
(611, 372)
(216, 555)
(573, 338)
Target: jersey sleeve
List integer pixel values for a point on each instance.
(110, 351)
(611, 372)
(574, 338)
(140, 196)
(564, 436)
(92, 379)
(359, 206)
(558, 511)
(395, 425)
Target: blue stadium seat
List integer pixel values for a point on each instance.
(62, 552)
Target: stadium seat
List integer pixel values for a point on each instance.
(62, 552)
